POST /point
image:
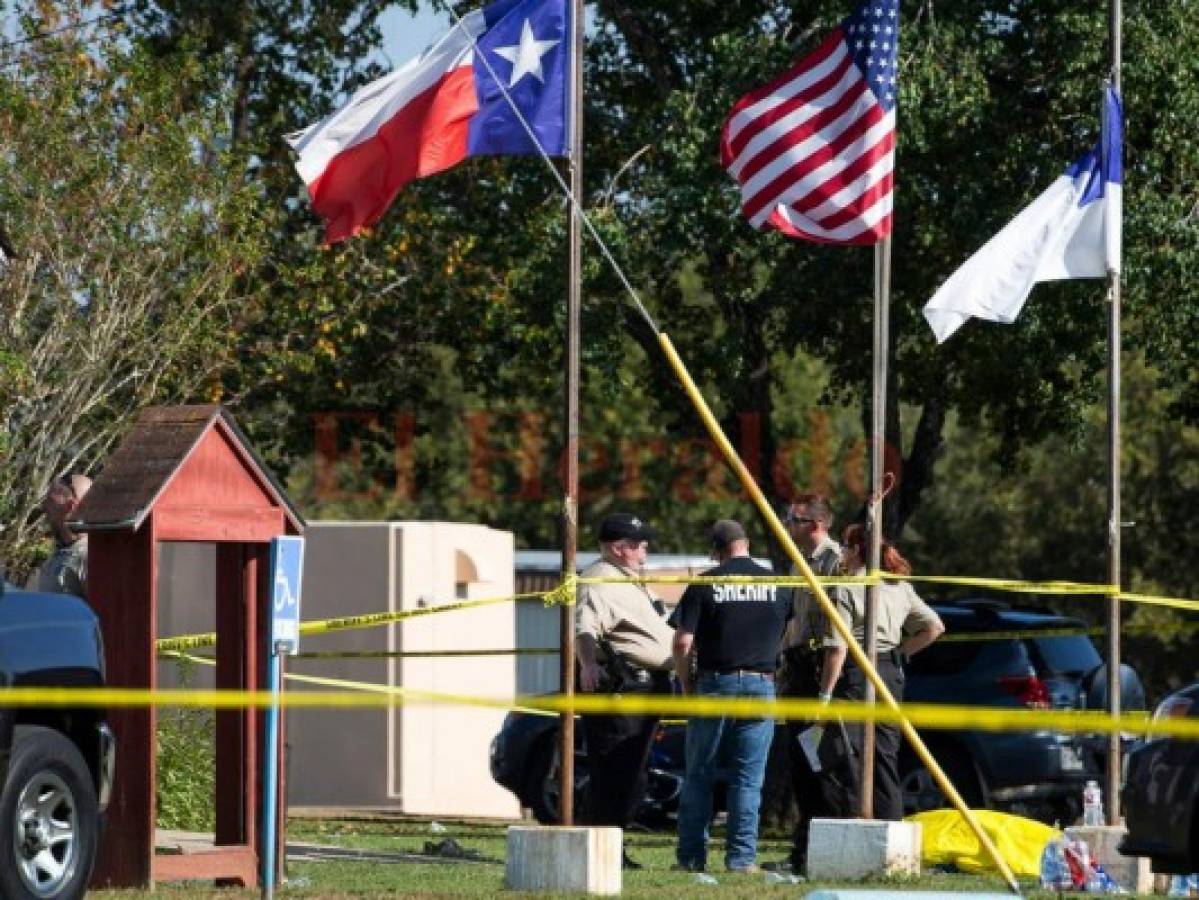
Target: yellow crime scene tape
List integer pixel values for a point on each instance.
(564, 593)
(388, 690)
(1009, 585)
(393, 654)
(359, 695)
(728, 579)
(423, 654)
(368, 620)
(968, 637)
(1175, 602)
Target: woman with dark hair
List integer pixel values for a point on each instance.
(904, 625)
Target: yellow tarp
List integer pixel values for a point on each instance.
(948, 840)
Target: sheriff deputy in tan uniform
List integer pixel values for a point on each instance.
(624, 646)
(905, 625)
(817, 794)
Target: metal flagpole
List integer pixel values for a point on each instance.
(1114, 463)
(878, 420)
(570, 473)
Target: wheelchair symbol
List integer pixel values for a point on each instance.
(283, 596)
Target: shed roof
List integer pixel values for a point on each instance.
(157, 448)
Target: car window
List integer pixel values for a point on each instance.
(1065, 655)
(956, 653)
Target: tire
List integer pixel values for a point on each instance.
(921, 793)
(542, 785)
(49, 819)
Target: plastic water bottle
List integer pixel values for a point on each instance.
(1055, 874)
(1092, 804)
(783, 878)
(1099, 882)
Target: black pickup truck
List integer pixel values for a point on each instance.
(56, 764)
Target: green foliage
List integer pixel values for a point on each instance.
(186, 765)
(132, 229)
(186, 770)
(1038, 519)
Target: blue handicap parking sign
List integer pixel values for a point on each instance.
(287, 567)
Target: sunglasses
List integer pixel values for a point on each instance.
(799, 520)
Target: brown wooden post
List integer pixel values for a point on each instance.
(122, 589)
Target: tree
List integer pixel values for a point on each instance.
(134, 228)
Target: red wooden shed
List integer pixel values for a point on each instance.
(184, 473)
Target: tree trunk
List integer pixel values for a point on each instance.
(919, 464)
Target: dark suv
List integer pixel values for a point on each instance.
(56, 763)
(994, 654)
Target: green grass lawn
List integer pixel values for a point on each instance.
(363, 879)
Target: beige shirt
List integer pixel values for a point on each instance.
(624, 616)
(901, 613)
(807, 618)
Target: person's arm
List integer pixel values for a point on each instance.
(923, 623)
(682, 646)
(590, 626)
(589, 670)
(830, 671)
(913, 644)
(833, 645)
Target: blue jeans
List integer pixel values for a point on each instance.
(741, 746)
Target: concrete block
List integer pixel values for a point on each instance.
(1130, 872)
(860, 848)
(561, 860)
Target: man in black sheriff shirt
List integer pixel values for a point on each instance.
(733, 633)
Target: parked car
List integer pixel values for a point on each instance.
(57, 764)
(994, 654)
(1160, 797)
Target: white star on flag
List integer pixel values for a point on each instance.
(526, 56)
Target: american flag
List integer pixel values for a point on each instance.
(814, 151)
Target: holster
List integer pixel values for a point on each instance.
(799, 674)
(621, 676)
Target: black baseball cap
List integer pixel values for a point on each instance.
(725, 531)
(624, 527)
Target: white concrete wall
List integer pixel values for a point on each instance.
(442, 762)
(418, 758)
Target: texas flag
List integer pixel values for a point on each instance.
(441, 108)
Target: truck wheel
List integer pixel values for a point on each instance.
(543, 786)
(49, 819)
(921, 793)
